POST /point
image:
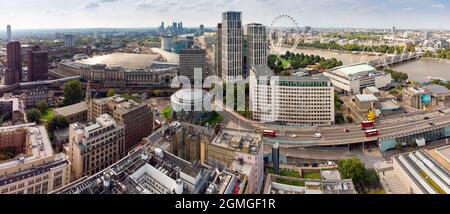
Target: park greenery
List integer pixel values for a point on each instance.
(355, 35)
(354, 169)
(295, 61)
(397, 76)
(356, 47)
(73, 93)
(215, 118)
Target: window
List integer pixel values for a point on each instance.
(57, 183)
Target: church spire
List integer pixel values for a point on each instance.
(88, 92)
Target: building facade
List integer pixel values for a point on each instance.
(13, 72)
(290, 100)
(96, 145)
(73, 113)
(218, 51)
(192, 60)
(30, 98)
(232, 37)
(68, 41)
(257, 46)
(37, 64)
(37, 170)
(137, 118)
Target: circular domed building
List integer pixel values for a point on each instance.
(193, 105)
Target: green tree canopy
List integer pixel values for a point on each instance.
(42, 105)
(111, 92)
(34, 115)
(73, 93)
(57, 122)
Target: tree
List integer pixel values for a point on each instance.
(73, 93)
(42, 105)
(157, 92)
(34, 115)
(111, 92)
(371, 178)
(57, 122)
(354, 169)
(167, 112)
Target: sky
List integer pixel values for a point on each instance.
(403, 14)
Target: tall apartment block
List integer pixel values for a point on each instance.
(13, 72)
(218, 51)
(95, 145)
(36, 169)
(257, 46)
(8, 33)
(191, 60)
(37, 64)
(68, 41)
(137, 118)
(232, 35)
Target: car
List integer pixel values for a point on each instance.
(426, 118)
(315, 165)
(331, 163)
(346, 130)
(306, 164)
(299, 164)
(323, 165)
(317, 135)
(293, 136)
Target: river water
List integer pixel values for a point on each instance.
(417, 70)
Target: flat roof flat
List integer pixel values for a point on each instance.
(354, 69)
(366, 98)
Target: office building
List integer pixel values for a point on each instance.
(416, 97)
(290, 100)
(8, 33)
(13, 73)
(193, 60)
(241, 152)
(232, 59)
(36, 169)
(37, 64)
(352, 79)
(218, 51)
(12, 109)
(95, 145)
(201, 30)
(308, 29)
(69, 41)
(192, 105)
(257, 46)
(137, 118)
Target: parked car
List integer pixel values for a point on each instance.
(293, 136)
(315, 165)
(317, 135)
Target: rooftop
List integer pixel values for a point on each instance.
(373, 89)
(68, 110)
(238, 141)
(353, 70)
(436, 89)
(366, 98)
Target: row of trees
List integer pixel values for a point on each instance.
(356, 35)
(297, 61)
(441, 53)
(356, 47)
(397, 76)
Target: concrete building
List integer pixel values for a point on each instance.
(257, 46)
(193, 60)
(366, 102)
(290, 100)
(416, 97)
(232, 61)
(73, 113)
(353, 79)
(37, 170)
(137, 118)
(167, 43)
(276, 158)
(37, 64)
(96, 145)
(30, 98)
(241, 152)
(424, 172)
(218, 51)
(440, 95)
(69, 41)
(12, 109)
(8, 33)
(153, 171)
(192, 105)
(13, 73)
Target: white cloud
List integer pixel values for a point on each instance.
(90, 5)
(439, 6)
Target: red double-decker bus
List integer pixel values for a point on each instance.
(372, 132)
(269, 133)
(366, 125)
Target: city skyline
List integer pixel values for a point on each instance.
(429, 14)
